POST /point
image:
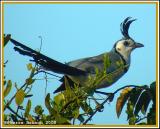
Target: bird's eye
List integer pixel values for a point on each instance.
(126, 43)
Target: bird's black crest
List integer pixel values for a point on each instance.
(125, 27)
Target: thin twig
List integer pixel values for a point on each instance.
(140, 119)
(5, 62)
(90, 117)
(108, 99)
(9, 102)
(128, 86)
(42, 71)
(95, 99)
(74, 121)
(17, 109)
(41, 42)
(8, 107)
(25, 84)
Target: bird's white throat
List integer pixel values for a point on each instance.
(124, 51)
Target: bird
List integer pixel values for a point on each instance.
(78, 71)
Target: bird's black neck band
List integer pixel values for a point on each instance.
(124, 61)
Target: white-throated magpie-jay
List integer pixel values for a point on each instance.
(77, 71)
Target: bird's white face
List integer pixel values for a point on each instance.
(125, 47)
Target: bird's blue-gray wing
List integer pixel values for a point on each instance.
(89, 64)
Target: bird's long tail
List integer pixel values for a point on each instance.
(45, 61)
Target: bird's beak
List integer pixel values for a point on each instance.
(137, 45)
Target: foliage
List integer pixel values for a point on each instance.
(8, 88)
(138, 100)
(78, 104)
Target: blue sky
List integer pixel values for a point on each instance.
(73, 31)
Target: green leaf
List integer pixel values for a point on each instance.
(134, 95)
(153, 91)
(28, 108)
(19, 97)
(146, 104)
(38, 110)
(68, 88)
(107, 62)
(59, 98)
(8, 88)
(30, 81)
(143, 110)
(76, 113)
(47, 103)
(122, 100)
(118, 63)
(86, 108)
(61, 120)
(151, 116)
(110, 79)
(132, 120)
(6, 117)
(30, 118)
(129, 111)
(143, 102)
(68, 91)
(96, 70)
(29, 66)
